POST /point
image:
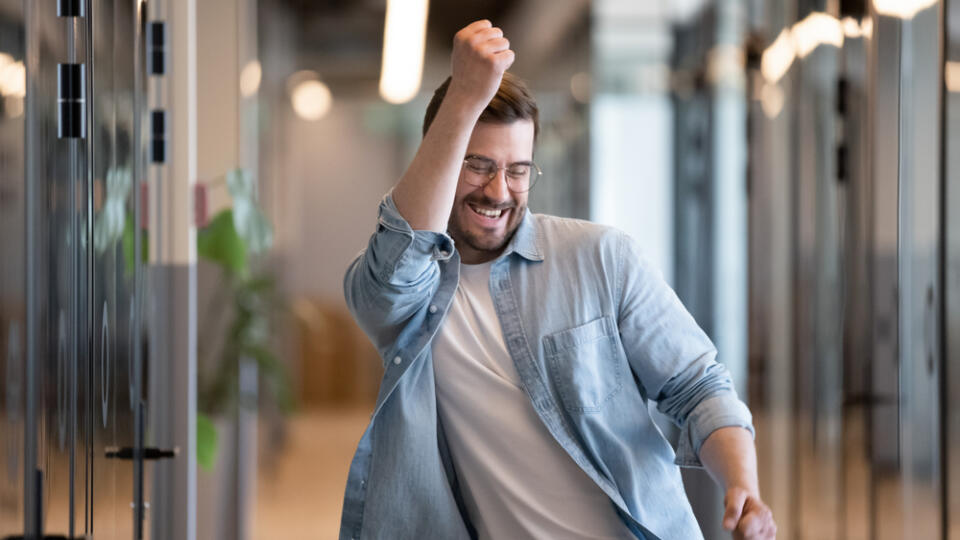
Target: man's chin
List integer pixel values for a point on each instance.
(486, 242)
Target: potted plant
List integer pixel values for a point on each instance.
(235, 351)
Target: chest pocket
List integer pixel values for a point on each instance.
(587, 364)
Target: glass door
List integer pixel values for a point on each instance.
(71, 85)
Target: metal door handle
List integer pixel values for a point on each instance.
(148, 453)
(45, 537)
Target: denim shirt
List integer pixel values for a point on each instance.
(594, 332)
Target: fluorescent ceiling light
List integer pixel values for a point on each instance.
(803, 38)
(902, 9)
(13, 79)
(815, 30)
(404, 39)
(778, 57)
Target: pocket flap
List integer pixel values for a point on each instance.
(574, 337)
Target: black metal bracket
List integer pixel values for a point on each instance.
(158, 136)
(45, 537)
(71, 101)
(148, 453)
(156, 48)
(71, 8)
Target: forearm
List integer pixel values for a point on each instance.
(729, 456)
(424, 195)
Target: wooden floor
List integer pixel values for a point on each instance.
(300, 494)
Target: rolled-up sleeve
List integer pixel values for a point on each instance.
(395, 275)
(673, 359)
(711, 414)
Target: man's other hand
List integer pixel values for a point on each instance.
(747, 516)
(480, 56)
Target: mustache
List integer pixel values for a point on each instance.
(490, 203)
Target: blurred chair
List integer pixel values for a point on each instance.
(337, 364)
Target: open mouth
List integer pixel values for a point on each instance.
(486, 213)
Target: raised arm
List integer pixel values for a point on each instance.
(424, 195)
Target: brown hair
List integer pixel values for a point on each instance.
(512, 102)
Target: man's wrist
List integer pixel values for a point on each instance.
(744, 484)
(464, 102)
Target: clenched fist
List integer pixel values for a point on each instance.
(747, 516)
(480, 56)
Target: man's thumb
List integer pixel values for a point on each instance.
(734, 503)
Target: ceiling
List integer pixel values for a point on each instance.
(343, 39)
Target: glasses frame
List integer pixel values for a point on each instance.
(535, 172)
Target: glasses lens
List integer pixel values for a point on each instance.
(480, 168)
(522, 177)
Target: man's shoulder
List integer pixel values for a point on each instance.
(565, 231)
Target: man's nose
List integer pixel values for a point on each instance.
(496, 189)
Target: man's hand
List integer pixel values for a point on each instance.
(480, 56)
(425, 193)
(747, 516)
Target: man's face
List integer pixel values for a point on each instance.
(480, 238)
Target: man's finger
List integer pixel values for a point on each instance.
(486, 34)
(750, 525)
(734, 508)
(496, 45)
(477, 25)
(505, 59)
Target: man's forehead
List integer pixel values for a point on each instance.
(499, 137)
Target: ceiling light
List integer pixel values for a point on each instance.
(13, 79)
(778, 57)
(951, 76)
(250, 78)
(901, 9)
(311, 100)
(815, 30)
(404, 39)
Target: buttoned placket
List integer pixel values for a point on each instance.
(543, 402)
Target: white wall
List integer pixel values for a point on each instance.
(335, 171)
(632, 170)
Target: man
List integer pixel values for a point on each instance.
(520, 351)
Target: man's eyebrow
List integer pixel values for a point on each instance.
(491, 160)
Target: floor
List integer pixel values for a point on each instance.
(300, 494)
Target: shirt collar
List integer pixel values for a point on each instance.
(525, 241)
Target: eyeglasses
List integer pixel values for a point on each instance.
(520, 176)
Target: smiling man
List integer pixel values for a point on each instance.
(520, 351)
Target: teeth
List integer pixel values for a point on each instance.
(488, 213)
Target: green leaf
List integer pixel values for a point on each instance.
(240, 184)
(219, 243)
(252, 225)
(128, 247)
(206, 442)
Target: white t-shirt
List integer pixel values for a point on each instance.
(516, 481)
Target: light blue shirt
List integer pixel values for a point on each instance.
(594, 332)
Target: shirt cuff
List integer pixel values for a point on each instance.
(713, 413)
(403, 253)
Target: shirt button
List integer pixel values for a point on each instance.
(433, 309)
(397, 360)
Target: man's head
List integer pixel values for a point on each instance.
(487, 211)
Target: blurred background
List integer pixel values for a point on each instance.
(183, 184)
